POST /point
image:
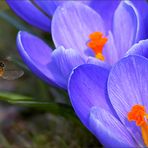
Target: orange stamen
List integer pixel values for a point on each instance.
(96, 43)
(139, 115)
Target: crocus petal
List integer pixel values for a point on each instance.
(62, 63)
(48, 6)
(109, 130)
(106, 9)
(72, 23)
(27, 11)
(125, 27)
(140, 48)
(110, 50)
(36, 54)
(92, 60)
(87, 87)
(127, 86)
(142, 7)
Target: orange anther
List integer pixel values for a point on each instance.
(96, 43)
(139, 115)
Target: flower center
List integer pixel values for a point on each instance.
(96, 43)
(139, 115)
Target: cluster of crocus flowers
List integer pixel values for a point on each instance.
(75, 39)
(108, 91)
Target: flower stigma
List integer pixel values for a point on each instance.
(139, 115)
(96, 43)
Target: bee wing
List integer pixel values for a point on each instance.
(12, 74)
(9, 65)
(11, 71)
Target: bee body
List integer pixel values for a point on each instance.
(1, 72)
(2, 66)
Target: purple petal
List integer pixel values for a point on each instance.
(110, 50)
(127, 86)
(140, 48)
(62, 63)
(48, 6)
(106, 9)
(125, 27)
(27, 11)
(142, 7)
(109, 130)
(72, 23)
(92, 60)
(87, 88)
(36, 54)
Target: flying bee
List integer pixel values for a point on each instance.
(9, 71)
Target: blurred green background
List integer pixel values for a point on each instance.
(27, 124)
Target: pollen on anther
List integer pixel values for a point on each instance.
(137, 114)
(96, 43)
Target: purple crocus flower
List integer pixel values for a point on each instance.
(108, 103)
(73, 34)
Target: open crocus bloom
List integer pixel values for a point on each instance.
(75, 33)
(113, 105)
(84, 39)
